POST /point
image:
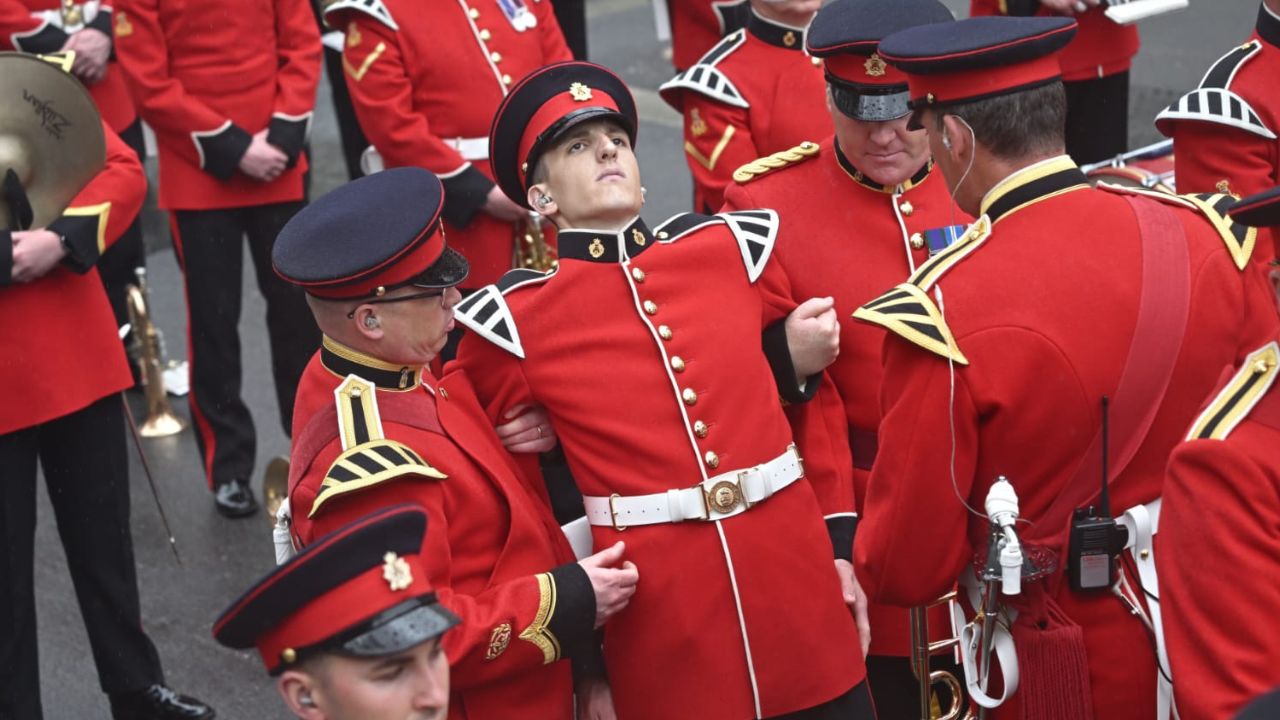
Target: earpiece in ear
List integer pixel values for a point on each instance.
(946, 141)
(544, 201)
(370, 322)
(306, 700)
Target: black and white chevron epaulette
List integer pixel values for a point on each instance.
(1213, 101)
(909, 312)
(373, 8)
(755, 230)
(368, 458)
(703, 77)
(1247, 387)
(1239, 239)
(485, 312)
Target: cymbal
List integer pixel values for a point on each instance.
(50, 134)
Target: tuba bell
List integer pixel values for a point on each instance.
(530, 249)
(161, 420)
(275, 486)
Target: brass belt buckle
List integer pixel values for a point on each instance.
(613, 514)
(725, 495)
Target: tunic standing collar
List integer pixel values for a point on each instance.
(605, 246)
(343, 361)
(858, 177)
(775, 33)
(1034, 182)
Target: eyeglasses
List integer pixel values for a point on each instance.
(403, 298)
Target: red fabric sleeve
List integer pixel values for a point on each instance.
(907, 552)
(382, 94)
(162, 100)
(717, 141)
(1219, 533)
(299, 51)
(103, 210)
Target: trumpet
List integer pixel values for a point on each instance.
(530, 249)
(921, 650)
(161, 420)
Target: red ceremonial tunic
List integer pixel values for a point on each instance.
(206, 76)
(1216, 551)
(43, 26)
(697, 25)
(59, 350)
(490, 544)
(649, 365)
(1224, 131)
(818, 200)
(426, 80)
(1100, 47)
(1041, 310)
(755, 93)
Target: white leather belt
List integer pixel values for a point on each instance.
(1143, 522)
(469, 148)
(715, 498)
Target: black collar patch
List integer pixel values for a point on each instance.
(605, 247)
(1268, 26)
(775, 34)
(343, 361)
(858, 177)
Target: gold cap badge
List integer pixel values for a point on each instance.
(875, 66)
(580, 92)
(395, 570)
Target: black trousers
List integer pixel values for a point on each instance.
(853, 705)
(86, 468)
(353, 139)
(117, 264)
(210, 248)
(1097, 118)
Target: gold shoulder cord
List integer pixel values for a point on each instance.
(764, 165)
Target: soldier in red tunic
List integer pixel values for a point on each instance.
(229, 89)
(352, 627)
(1221, 531)
(1224, 131)
(697, 25)
(857, 213)
(64, 367)
(49, 26)
(425, 81)
(644, 349)
(1095, 72)
(756, 92)
(372, 427)
(1002, 347)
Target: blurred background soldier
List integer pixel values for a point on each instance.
(351, 628)
(756, 92)
(229, 89)
(1002, 347)
(1224, 131)
(425, 81)
(382, 284)
(64, 370)
(48, 26)
(857, 213)
(1095, 73)
(697, 25)
(1221, 530)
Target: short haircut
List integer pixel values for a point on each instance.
(1017, 125)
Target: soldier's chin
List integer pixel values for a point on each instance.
(619, 199)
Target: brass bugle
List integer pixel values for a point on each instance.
(161, 420)
(275, 486)
(921, 651)
(530, 249)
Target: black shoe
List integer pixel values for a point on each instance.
(158, 703)
(234, 499)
